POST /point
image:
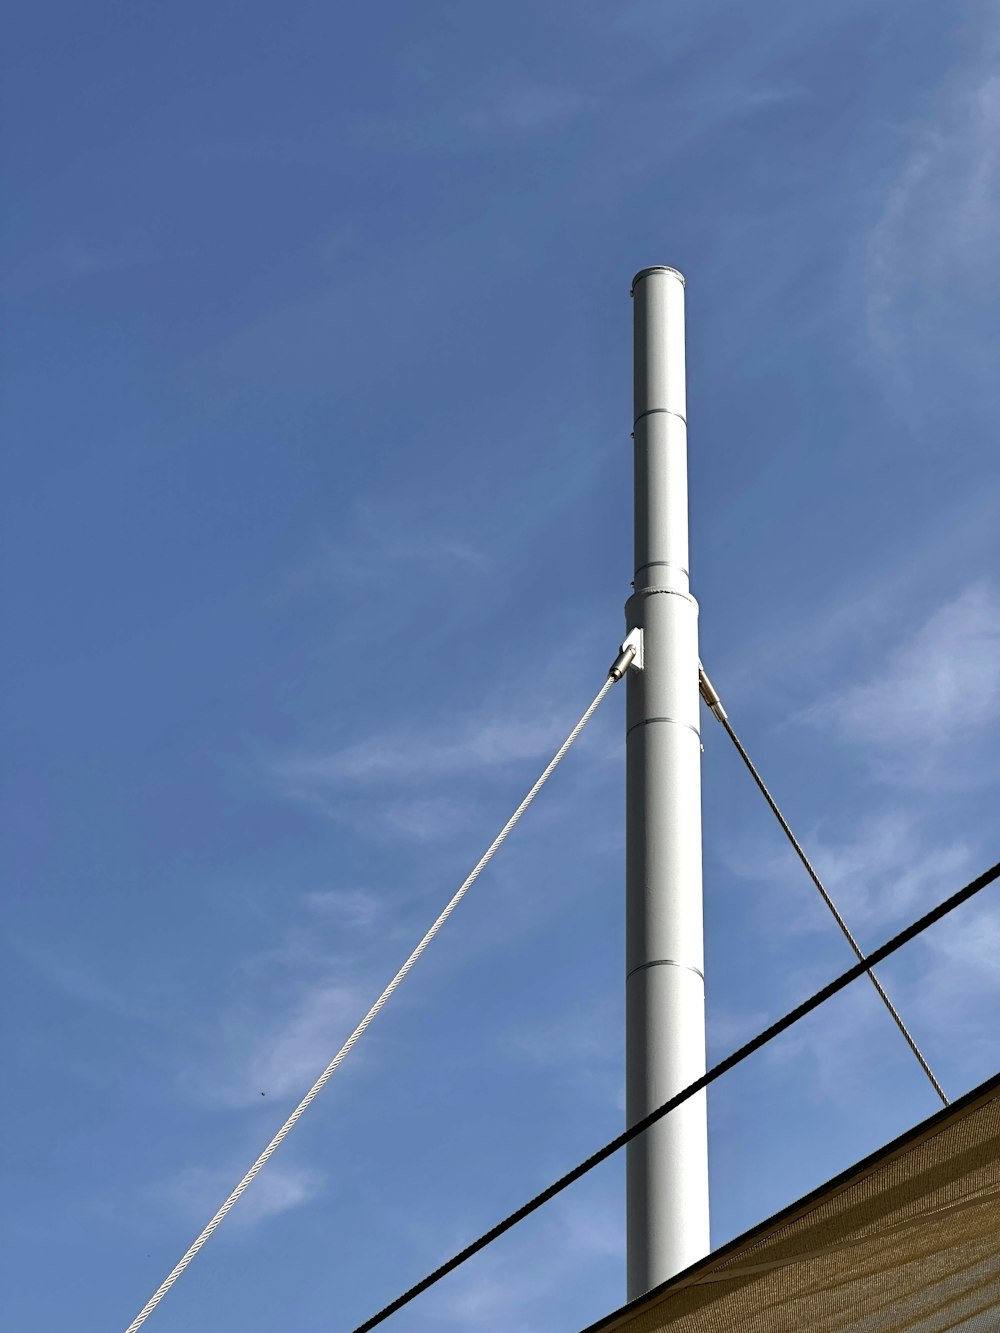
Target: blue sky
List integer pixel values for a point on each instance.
(317, 491)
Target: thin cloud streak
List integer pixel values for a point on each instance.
(79, 979)
(291, 1005)
(885, 870)
(420, 756)
(932, 254)
(937, 692)
(527, 723)
(276, 1051)
(582, 1048)
(957, 990)
(505, 1285)
(523, 108)
(196, 1192)
(351, 909)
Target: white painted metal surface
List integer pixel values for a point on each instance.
(667, 1172)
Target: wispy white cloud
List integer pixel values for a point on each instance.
(381, 541)
(831, 638)
(384, 541)
(352, 909)
(197, 1192)
(937, 691)
(523, 107)
(290, 1003)
(831, 1050)
(883, 869)
(954, 994)
(946, 986)
(925, 720)
(429, 819)
(277, 1050)
(374, 817)
(284, 1060)
(422, 754)
(77, 977)
(887, 869)
(568, 1038)
(886, 872)
(747, 98)
(422, 780)
(582, 1047)
(74, 259)
(727, 1029)
(507, 1288)
(932, 257)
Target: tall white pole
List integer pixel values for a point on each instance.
(667, 1170)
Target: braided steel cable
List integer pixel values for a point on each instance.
(711, 697)
(615, 674)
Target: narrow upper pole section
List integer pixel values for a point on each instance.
(659, 376)
(667, 1168)
(660, 390)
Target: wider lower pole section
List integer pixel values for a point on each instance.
(667, 1170)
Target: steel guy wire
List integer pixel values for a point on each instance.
(776, 1029)
(711, 697)
(617, 671)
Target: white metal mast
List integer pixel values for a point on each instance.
(667, 1171)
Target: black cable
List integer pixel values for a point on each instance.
(738, 1056)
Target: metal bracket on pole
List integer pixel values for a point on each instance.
(629, 655)
(634, 640)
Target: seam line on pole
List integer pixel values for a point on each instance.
(665, 592)
(658, 412)
(665, 564)
(665, 962)
(644, 722)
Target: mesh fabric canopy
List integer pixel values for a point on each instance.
(907, 1241)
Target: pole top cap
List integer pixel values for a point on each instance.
(655, 268)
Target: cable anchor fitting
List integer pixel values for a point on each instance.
(629, 655)
(709, 693)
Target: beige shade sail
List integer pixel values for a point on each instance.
(907, 1241)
